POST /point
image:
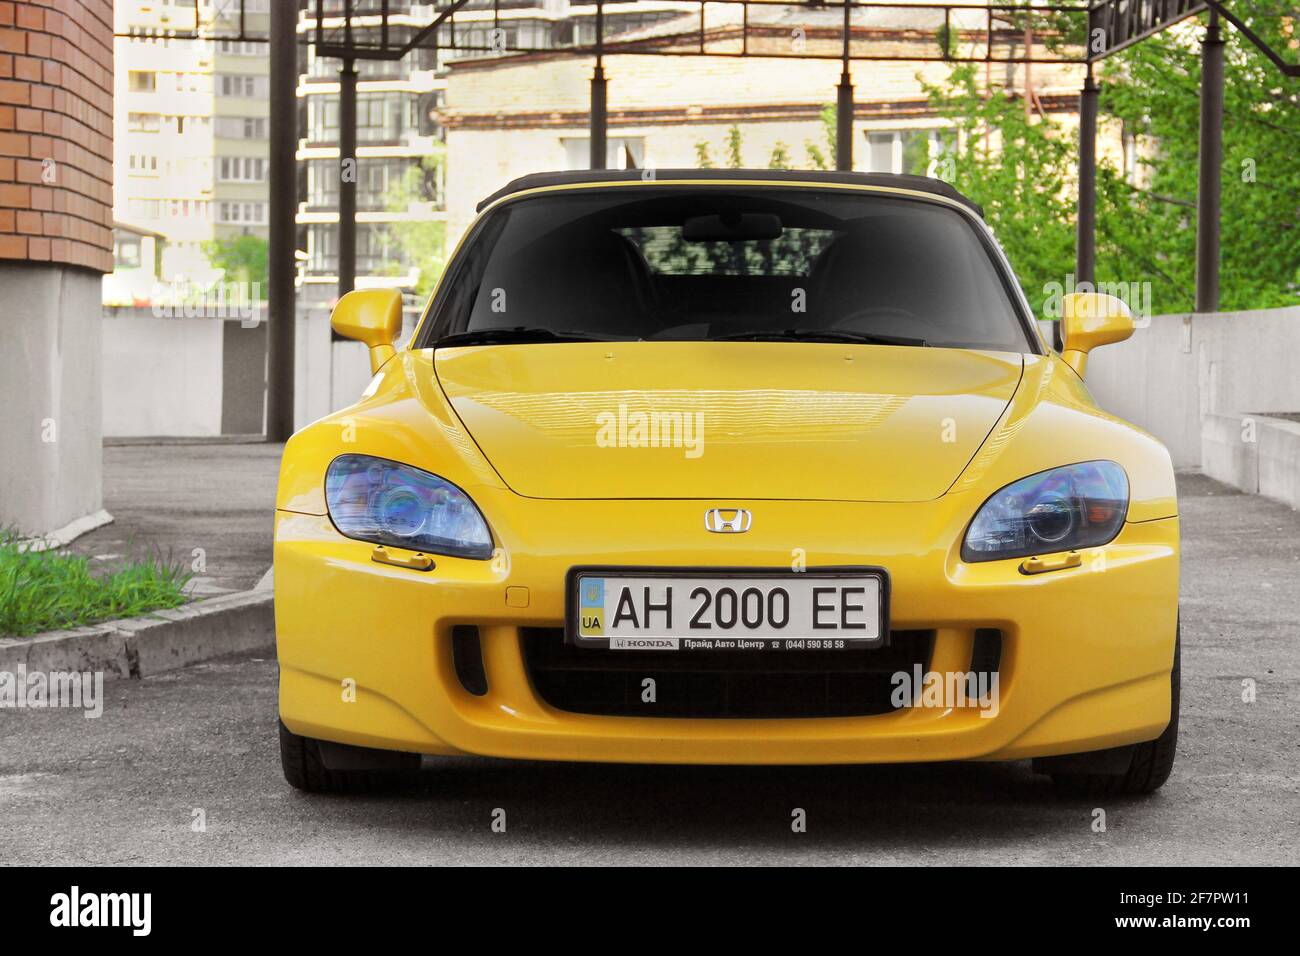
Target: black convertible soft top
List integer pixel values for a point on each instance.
(579, 177)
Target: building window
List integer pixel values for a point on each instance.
(142, 122)
(242, 169)
(246, 86)
(902, 151)
(241, 127)
(242, 213)
(126, 253)
(381, 117)
(241, 47)
(141, 81)
(142, 164)
(142, 208)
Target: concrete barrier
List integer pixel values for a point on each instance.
(1259, 454)
(1177, 369)
(1229, 452)
(1279, 460)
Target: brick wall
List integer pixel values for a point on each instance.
(56, 132)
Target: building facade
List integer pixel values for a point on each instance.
(524, 112)
(399, 157)
(240, 114)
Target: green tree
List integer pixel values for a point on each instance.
(242, 258)
(1153, 89)
(422, 242)
(1023, 171)
(1018, 170)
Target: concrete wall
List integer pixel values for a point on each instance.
(202, 377)
(161, 376)
(50, 387)
(1180, 368)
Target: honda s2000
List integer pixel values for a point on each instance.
(728, 467)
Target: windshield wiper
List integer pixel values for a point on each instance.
(520, 333)
(818, 335)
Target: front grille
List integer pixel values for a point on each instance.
(703, 684)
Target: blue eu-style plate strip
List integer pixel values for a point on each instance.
(592, 593)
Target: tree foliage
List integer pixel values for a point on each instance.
(422, 242)
(243, 258)
(1023, 171)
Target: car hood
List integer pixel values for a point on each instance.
(728, 420)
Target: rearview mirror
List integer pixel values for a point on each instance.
(732, 227)
(372, 317)
(1090, 319)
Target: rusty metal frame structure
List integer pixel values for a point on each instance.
(351, 30)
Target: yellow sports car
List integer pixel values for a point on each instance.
(728, 467)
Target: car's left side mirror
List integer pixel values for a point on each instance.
(372, 317)
(1090, 319)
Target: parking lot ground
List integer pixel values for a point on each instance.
(128, 787)
(206, 505)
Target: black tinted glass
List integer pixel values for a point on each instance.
(696, 263)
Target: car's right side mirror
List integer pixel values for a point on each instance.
(1090, 319)
(372, 317)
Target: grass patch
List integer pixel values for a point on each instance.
(47, 590)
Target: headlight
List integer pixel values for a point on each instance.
(373, 499)
(1075, 506)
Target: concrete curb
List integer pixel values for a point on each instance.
(151, 644)
(68, 533)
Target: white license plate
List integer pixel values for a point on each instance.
(651, 609)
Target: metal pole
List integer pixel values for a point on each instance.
(282, 266)
(348, 177)
(599, 118)
(1085, 262)
(844, 123)
(844, 107)
(1085, 254)
(1209, 185)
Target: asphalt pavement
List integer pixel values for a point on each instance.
(198, 746)
(207, 505)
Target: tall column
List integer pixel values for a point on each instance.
(844, 122)
(1085, 262)
(844, 102)
(598, 117)
(1209, 185)
(281, 263)
(348, 177)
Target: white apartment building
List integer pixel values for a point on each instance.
(190, 133)
(162, 132)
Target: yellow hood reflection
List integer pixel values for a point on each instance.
(727, 420)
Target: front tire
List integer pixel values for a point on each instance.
(1151, 763)
(306, 768)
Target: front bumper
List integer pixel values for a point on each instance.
(366, 659)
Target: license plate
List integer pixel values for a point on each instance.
(658, 609)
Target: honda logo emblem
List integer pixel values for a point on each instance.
(728, 520)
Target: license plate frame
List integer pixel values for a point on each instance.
(575, 574)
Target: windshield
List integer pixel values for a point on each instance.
(709, 262)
